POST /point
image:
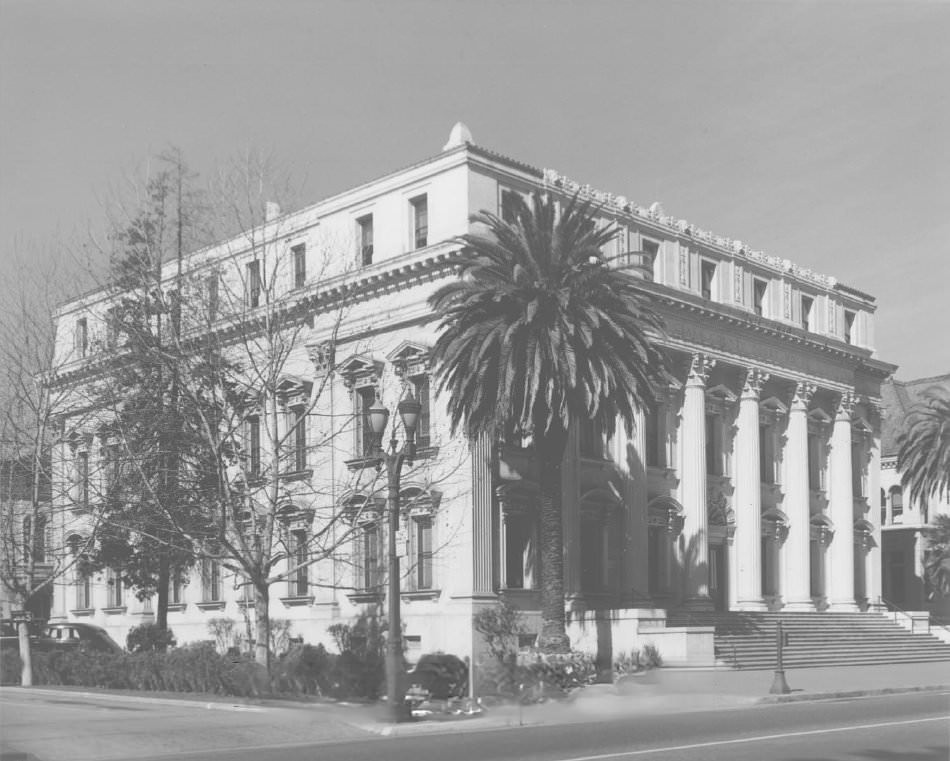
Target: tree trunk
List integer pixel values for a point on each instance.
(550, 451)
(262, 626)
(26, 657)
(164, 577)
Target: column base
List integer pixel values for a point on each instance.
(844, 606)
(752, 606)
(803, 606)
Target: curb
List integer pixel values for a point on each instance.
(207, 705)
(815, 696)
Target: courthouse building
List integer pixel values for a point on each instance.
(750, 484)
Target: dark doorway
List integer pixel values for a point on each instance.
(718, 578)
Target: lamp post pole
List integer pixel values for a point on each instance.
(393, 461)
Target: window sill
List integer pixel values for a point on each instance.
(210, 605)
(82, 612)
(297, 601)
(422, 594)
(361, 463)
(296, 475)
(177, 607)
(365, 597)
(115, 611)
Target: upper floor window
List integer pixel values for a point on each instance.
(299, 255)
(422, 551)
(713, 445)
(591, 439)
(848, 326)
(210, 581)
(368, 557)
(82, 478)
(510, 204)
(253, 284)
(816, 473)
(365, 229)
(656, 449)
(254, 445)
(897, 504)
(759, 288)
(211, 291)
(297, 420)
(81, 337)
(707, 278)
(806, 316)
(116, 589)
(857, 470)
(34, 539)
(112, 327)
(766, 454)
(420, 389)
(299, 581)
(363, 398)
(420, 221)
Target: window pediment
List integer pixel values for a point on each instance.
(293, 391)
(361, 370)
(361, 509)
(410, 358)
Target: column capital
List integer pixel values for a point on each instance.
(699, 368)
(845, 406)
(754, 381)
(802, 395)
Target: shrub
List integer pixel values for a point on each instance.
(561, 672)
(360, 668)
(442, 675)
(304, 669)
(10, 666)
(650, 657)
(500, 625)
(149, 638)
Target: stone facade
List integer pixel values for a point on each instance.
(749, 484)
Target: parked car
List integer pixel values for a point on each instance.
(69, 635)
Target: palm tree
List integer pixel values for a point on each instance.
(537, 334)
(924, 454)
(937, 556)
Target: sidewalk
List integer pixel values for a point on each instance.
(688, 690)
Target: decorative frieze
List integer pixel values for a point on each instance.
(655, 213)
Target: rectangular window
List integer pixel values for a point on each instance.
(116, 590)
(420, 384)
(520, 571)
(806, 315)
(766, 459)
(253, 284)
(591, 439)
(857, 470)
(759, 288)
(81, 337)
(656, 449)
(814, 462)
(82, 479)
(848, 326)
(369, 557)
(423, 575)
(210, 581)
(365, 229)
(112, 327)
(593, 555)
(363, 399)
(420, 221)
(299, 254)
(300, 581)
(83, 591)
(707, 277)
(211, 288)
(510, 203)
(254, 445)
(174, 587)
(297, 426)
(110, 455)
(713, 446)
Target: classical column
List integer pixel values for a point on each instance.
(797, 590)
(632, 457)
(841, 497)
(693, 485)
(482, 502)
(748, 495)
(873, 558)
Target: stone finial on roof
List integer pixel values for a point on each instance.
(459, 135)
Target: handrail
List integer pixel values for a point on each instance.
(897, 610)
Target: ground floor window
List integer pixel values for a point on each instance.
(520, 548)
(368, 561)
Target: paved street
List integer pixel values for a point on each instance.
(906, 726)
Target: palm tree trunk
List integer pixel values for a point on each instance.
(550, 450)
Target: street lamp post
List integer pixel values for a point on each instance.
(393, 460)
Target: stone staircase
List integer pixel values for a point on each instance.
(747, 640)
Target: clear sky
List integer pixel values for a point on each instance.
(815, 131)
